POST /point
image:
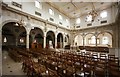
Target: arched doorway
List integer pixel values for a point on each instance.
(66, 40)
(60, 40)
(90, 40)
(36, 38)
(11, 33)
(50, 39)
(78, 40)
(105, 39)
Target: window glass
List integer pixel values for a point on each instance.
(105, 40)
(5, 39)
(93, 40)
(67, 21)
(60, 17)
(78, 21)
(51, 12)
(38, 4)
(89, 18)
(103, 14)
(21, 40)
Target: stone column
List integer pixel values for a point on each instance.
(44, 45)
(27, 41)
(83, 41)
(96, 41)
(55, 40)
(27, 37)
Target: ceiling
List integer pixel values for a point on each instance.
(74, 9)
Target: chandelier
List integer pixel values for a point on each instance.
(93, 13)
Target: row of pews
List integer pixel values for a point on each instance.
(18, 54)
(95, 49)
(65, 63)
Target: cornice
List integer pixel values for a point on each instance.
(7, 7)
(95, 27)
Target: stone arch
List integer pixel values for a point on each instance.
(36, 38)
(14, 33)
(59, 40)
(78, 40)
(87, 39)
(105, 32)
(50, 37)
(12, 20)
(67, 38)
(105, 39)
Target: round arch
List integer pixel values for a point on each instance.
(59, 40)
(105, 32)
(78, 40)
(11, 31)
(67, 39)
(88, 41)
(105, 39)
(36, 38)
(50, 39)
(12, 20)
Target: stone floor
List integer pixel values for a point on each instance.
(9, 67)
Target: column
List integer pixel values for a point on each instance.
(83, 41)
(55, 41)
(95, 40)
(27, 41)
(44, 46)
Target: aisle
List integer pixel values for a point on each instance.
(9, 67)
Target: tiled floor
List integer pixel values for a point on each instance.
(9, 67)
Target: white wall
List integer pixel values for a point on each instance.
(29, 7)
(111, 15)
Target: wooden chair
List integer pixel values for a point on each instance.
(101, 67)
(113, 66)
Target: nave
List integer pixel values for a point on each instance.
(62, 63)
(52, 40)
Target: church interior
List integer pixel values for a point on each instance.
(60, 38)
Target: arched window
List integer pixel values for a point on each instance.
(65, 39)
(105, 40)
(51, 12)
(103, 14)
(38, 4)
(89, 18)
(21, 40)
(78, 21)
(5, 40)
(35, 41)
(60, 17)
(93, 40)
(67, 21)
